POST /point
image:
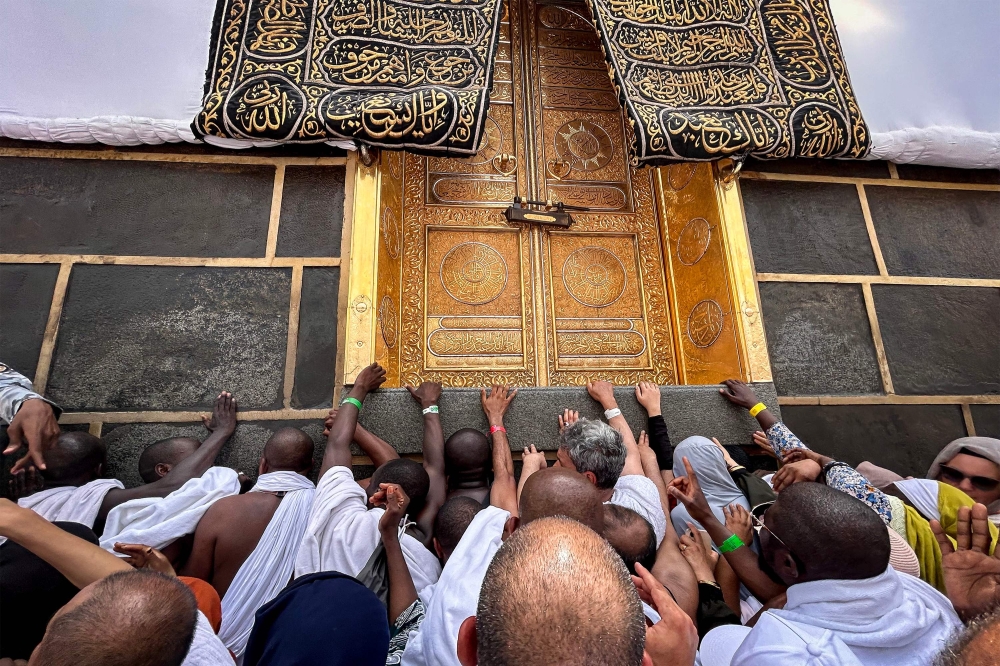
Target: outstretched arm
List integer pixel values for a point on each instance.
(222, 424)
(687, 490)
(338, 442)
(32, 419)
(373, 446)
(81, 562)
(671, 568)
(428, 395)
(402, 592)
(604, 392)
(503, 494)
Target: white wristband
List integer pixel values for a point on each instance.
(612, 413)
(433, 409)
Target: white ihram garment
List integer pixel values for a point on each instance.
(72, 504)
(269, 568)
(159, 521)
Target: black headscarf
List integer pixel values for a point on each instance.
(323, 619)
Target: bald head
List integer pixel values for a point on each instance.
(77, 457)
(830, 534)
(630, 535)
(468, 453)
(131, 617)
(556, 593)
(557, 491)
(159, 457)
(289, 450)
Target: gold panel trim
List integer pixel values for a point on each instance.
(362, 198)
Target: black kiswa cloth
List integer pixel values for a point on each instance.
(387, 73)
(707, 79)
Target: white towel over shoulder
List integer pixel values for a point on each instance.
(270, 565)
(159, 521)
(72, 504)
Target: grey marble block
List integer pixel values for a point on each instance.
(688, 410)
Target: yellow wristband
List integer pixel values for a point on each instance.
(757, 409)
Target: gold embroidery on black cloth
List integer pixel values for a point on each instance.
(392, 73)
(705, 79)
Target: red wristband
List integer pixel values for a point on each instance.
(496, 428)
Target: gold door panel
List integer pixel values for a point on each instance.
(465, 299)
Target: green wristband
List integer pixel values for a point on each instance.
(730, 544)
(353, 401)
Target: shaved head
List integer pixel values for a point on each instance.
(468, 452)
(831, 534)
(630, 535)
(130, 617)
(289, 450)
(168, 451)
(977, 645)
(557, 491)
(556, 593)
(76, 458)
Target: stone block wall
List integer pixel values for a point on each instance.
(136, 284)
(880, 292)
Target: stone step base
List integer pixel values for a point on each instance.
(393, 415)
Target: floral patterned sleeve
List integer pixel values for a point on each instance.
(842, 477)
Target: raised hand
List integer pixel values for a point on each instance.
(603, 392)
(673, 640)
(23, 483)
(223, 416)
(568, 418)
(648, 395)
(739, 522)
(795, 472)
(328, 421)
(369, 379)
(35, 427)
(429, 393)
(141, 556)
(971, 576)
(393, 499)
(495, 404)
(532, 460)
(687, 491)
(700, 557)
(761, 440)
(739, 393)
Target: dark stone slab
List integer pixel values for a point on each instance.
(312, 212)
(986, 418)
(819, 339)
(25, 297)
(939, 233)
(316, 358)
(903, 438)
(242, 452)
(688, 410)
(164, 338)
(133, 208)
(817, 167)
(807, 228)
(940, 340)
(947, 175)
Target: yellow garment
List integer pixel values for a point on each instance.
(922, 540)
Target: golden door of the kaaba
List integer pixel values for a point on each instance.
(638, 288)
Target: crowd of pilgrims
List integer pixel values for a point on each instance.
(626, 550)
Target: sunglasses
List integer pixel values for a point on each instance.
(952, 475)
(759, 525)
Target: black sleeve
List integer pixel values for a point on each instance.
(712, 609)
(753, 487)
(659, 441)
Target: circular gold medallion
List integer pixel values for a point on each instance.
(594, 277)
(585, 145)
(473, 273)
(705, 323)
